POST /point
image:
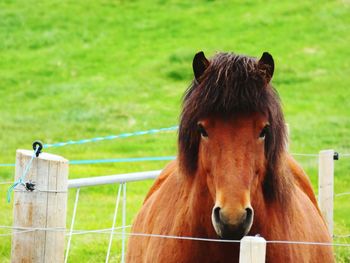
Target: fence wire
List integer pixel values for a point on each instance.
(117, 233)
(111, 137)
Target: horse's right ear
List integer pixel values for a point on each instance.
(199, 64)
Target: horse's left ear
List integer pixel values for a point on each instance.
(267, 65)
(199, 64)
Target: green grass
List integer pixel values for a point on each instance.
(80, 69)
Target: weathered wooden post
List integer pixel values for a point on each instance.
(252, 250)
(43, 209)
(326, 186)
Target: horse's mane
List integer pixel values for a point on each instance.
(235, 84)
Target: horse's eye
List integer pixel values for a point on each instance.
(202, 131)
(263, 132)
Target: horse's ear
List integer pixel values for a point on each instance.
(199, 64)
(267, 65)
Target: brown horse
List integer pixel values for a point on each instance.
(233, 175)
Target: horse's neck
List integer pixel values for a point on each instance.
(270, 215)
(270, 220)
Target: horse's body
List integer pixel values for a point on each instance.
(229, 192)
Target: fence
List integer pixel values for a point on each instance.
(40, 213)
(41, 186)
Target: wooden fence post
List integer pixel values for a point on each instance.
(43, 208)
(326, 186)
(252, 250)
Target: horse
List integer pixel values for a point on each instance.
(233, 175)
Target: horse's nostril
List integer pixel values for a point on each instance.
(216, 212)
(249, 213)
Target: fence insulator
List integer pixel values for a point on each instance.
(252, 250)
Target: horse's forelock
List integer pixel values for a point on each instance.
(233, 84)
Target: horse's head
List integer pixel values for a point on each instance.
(232, 133)
(231, 153)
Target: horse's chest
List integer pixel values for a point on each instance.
(190, 251)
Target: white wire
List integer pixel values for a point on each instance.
(342, 194)
(182, 237)
(107, 230)
(17, 232)
(42, 191)
(54, 229)
(307, 243)
(97, 231)
(113, 224)
(9, 227)
(237, 241)
(316, 154)
(72, 224)
(341, 236)
(61, 229)
(29, 229)
(305, 154)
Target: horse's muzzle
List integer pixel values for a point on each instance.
(227, 230)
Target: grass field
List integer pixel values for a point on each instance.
(79, 69)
